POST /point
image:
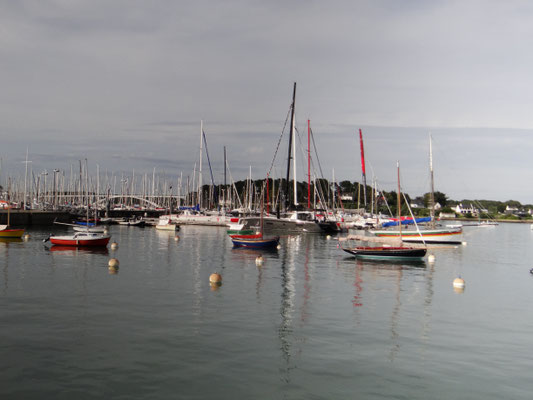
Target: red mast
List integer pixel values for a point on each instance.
(363, 164)
(268, 197)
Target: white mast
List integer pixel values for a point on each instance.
(432, 194)
(200, 169)
(25, 178)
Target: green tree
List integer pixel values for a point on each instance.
(440, 198)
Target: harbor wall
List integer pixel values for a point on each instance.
(36, 217)
(33, 217)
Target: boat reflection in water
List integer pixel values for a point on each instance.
(10, 240)
(79, 249)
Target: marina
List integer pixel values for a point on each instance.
(309, 321)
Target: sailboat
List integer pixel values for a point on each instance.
(295, 221)
(433, 234)
(6, 231)
(256, 241)
(83, 238)
(388, 252)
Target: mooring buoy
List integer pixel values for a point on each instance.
(215, 278)
(459, 283)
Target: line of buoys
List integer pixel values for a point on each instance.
(114, 246)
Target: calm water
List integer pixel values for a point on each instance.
(311, 323)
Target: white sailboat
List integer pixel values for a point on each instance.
(433, 234)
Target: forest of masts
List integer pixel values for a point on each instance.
(60, 189)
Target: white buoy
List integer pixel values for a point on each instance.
(259, 260)
(215, 279)
(114, 246)
(459, 283)
(328, 237)
(113, 263)
(431, 258)
(176, 238)
(106, 231)
(113, 266)
(27, 236)
(463, 243)
(278, 247)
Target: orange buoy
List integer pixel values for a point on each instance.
(215, 279)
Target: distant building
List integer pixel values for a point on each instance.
(511, 210)
(463, 210)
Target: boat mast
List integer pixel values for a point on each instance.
(399, 205)
(295, 183)
(290, 150)
(25, 179)
(432, 193)
(308, 164)
(225, 182)
(200, 169)
(363, 165)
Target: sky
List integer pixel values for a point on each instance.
(126, 83)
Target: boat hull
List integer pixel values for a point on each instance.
(240, 231)
(256, 243)
(11, 233)
(275, 225)
(436, 236)
(387, 253)
(80, 241)
(167, 227)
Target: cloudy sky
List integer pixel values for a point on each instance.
(126, 83)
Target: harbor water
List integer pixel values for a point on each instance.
(311, 322)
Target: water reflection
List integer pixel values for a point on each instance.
(285, 329)
(398, 273)
(78, 250)
(10, 240)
